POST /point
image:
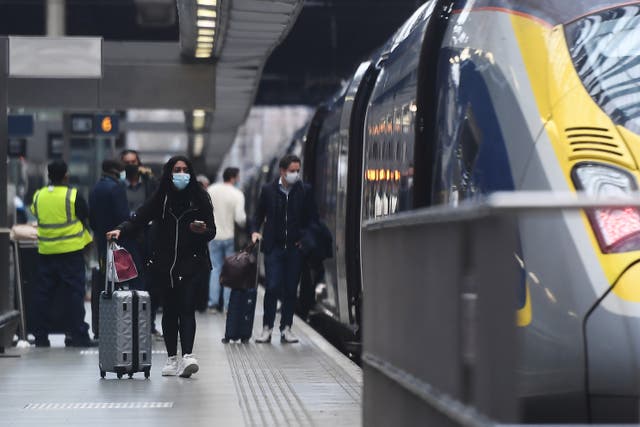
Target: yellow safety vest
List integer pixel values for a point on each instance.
(59, 230)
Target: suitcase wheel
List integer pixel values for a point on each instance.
(130, 375)
(102, 373)
(147, 373)
(119, 374)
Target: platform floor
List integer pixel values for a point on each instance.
(304, 384)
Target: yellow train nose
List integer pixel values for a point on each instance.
(628, 285)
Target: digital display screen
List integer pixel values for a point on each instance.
(81, 124)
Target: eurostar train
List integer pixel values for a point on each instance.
(472, 97)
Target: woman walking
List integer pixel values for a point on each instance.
(183, 224)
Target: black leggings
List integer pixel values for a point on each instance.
(179, 316)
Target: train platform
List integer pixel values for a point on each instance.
(305, 384)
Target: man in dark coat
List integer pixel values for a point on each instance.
(107, 204)
(107, 209)
(287, 210)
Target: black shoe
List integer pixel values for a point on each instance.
(225, 340)
(43, 342)
(86, 342)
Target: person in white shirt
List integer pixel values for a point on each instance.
(228, 205)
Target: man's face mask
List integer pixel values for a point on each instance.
(123, 175)
(292, 177)
(131, 171)
(181, 180)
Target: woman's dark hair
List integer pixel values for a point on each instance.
(194, 189)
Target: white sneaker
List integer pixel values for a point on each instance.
(171, 367)
(287, 336)
(265, 335)
(188, 366)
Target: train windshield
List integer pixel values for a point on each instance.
(605, 48)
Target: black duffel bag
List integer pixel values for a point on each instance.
(240, 271)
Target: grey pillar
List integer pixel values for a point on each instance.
(5, 304)
(56, 18)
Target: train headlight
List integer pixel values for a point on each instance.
(617, 229)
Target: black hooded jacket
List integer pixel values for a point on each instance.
(177, 252)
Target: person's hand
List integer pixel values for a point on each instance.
(113, 235)
(255, 237)
(198, 227)
(143, 170)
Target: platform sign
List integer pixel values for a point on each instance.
(106, 124)
(55, 57)
(20, 125)
(81, 124)
(17, 147)
(55, 146)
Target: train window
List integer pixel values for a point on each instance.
(406, 119)
(397, 125)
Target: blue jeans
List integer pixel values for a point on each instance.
(282, 268)
(218, 251)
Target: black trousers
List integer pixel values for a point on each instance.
(179, 316)
(66, 270)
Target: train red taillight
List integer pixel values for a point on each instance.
(617, 229)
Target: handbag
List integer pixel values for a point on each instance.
(239, 271)
(120, 265)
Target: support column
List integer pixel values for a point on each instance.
(5, 304)
(56, 18)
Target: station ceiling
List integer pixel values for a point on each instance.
(325, 45)
(327, 41)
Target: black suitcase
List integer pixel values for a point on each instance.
(242, 307)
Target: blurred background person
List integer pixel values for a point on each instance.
(61, 213)
(140, 185)
(228, 207)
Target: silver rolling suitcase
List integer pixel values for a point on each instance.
(125, 330)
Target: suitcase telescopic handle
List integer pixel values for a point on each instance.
(110, 268)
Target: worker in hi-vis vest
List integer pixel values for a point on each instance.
(62, 235)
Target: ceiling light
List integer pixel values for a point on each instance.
(203, 55)
(207, 13)
(205, 39)
(207, 2)
(206, 23)
(198, 113)
(198, 145)
(206, 32)
(198, 123)
(205, 46)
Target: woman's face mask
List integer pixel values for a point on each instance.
(181, 180)
(292, 177)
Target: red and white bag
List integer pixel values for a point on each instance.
(120, 265)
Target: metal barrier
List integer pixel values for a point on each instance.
(9, 317)
(439, 332)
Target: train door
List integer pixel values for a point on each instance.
(352, 149)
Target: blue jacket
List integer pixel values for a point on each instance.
(107, 208)
(286, 218)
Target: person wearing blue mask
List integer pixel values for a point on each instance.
(183, 224)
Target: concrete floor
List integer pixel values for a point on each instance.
(304, 384)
